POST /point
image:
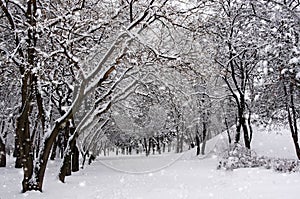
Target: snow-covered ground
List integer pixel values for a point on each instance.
(168, 176)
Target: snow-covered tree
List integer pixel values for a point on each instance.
(240, 36)
(71, 53)
(277, 86)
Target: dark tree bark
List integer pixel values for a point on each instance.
(198, 143)
(84, 155)
(2, 153)
(75, 159)
(158, 145)
(130, 150)
(25, 153)
(91, 159)
(146, 148)
(292, 118)
(246, 133)
(39, 171)
(152, 144)
(2, 146)
(177, 140)
(66, 168)
(16, 154)
(54, 148)
(117, 150)
(67, 162)
(237, 137)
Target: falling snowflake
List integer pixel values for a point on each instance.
(82, 184)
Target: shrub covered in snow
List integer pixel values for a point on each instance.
(238, 156)
(285, 165)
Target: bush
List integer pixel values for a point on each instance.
(286, 166)
(238, 156)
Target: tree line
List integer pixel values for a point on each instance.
(78, 75)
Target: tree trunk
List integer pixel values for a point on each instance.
(16, 154)
(130, 150)
(146, 148)
(26, 153)
(181, 143)
(2, 153)
(91, 159)
(292, 119)
(204, 134)
(2, 146)
(67, 162)
(242, 123)
(75, 159)
(246, 133)
(54, 148)
(104, 149)
(149, 146)
(24, 143)
(22, 140)
(66, 168)
(169, 146)
(153, 148)
(198, 143)
(36, 180)
(177, 142)
(296, 144)
(84, 154)
(238, 131)
(158, 145)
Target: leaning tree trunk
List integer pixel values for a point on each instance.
(292, 119)
(54, 148)
(296, 144)
(65, 169)
(37, 179)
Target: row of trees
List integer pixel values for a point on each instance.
(75, 76)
